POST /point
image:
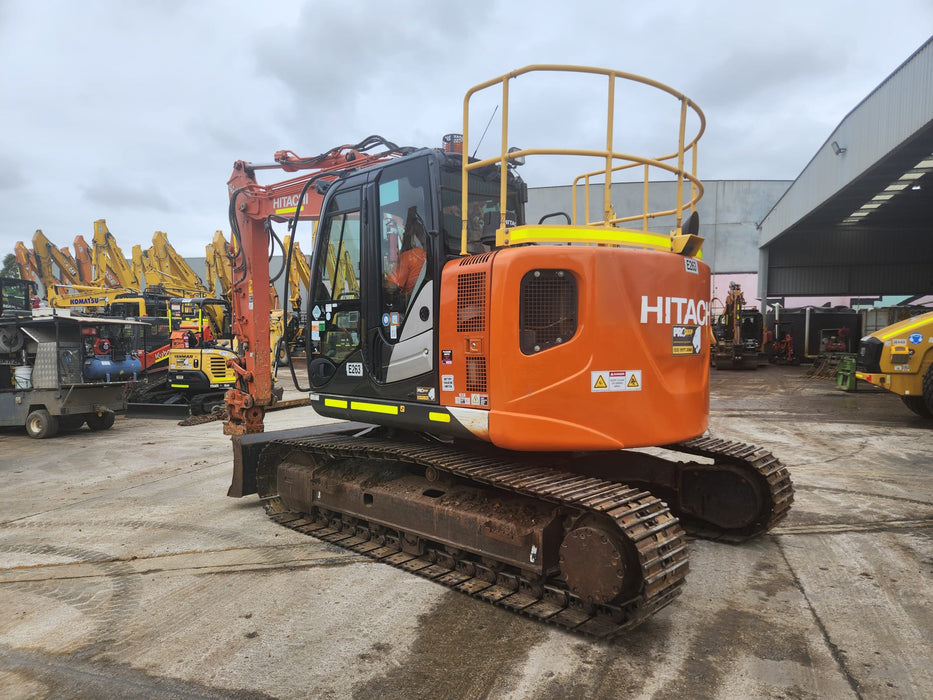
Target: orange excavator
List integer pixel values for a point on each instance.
(496, 375)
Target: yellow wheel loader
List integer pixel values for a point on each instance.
(899, 358)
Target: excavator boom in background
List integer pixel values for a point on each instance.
(495, 373)
(28, 266)
(173, 273)
(53, 267)
(217, 274)
(84, 259)
(110, 266)
(179, 331)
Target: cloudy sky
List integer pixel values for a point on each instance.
(134, 112)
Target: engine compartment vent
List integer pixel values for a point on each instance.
(475, 259)
(548, 311)
(471, 302)
(476, 374)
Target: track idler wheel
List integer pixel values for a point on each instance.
(594, 563)
(723, 495)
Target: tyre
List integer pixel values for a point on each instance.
(281, 354)
(212, 402)
(928, 390)
(69, 423)
(41, 424)
(100, 421)
(918, 405)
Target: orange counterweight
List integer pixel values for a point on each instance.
(593, 349)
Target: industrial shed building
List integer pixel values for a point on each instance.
(858, 221)
(729, 214)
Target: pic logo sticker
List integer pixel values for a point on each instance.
(686, 340)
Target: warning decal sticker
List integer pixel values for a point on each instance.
(616, 380)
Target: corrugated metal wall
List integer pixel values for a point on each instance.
(729, 213)
(851, 262)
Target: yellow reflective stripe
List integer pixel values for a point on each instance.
(335, 403)
(374, 407)
(910, 327)
(439, 417)
(180, 386)
(286, 210)
(588, 235)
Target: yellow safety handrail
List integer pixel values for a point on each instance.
(614, 162)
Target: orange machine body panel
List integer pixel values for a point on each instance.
(628, 363)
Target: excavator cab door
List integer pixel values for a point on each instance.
(371, 329)
(402, 339)
(335, 308)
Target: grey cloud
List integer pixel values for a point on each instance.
(136, 112)
(120, 194)
(11, 175)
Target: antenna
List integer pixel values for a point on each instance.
(484, 131)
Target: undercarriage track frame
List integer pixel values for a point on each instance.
(658, 541)
(642, 519)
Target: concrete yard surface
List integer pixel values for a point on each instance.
(126, 571)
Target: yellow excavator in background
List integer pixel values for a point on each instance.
(28, 267)
(48, 257)
(217, 275)
(170, 269)
(57, 273)
(110, 266)
(299, 277)
(200, 348)
(162, 267)
(737, 334)
(899, 358)
(219, 280)
(67, 290)
(198, 372)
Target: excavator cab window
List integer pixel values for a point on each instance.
(335, 309)
(407, 258)
(483, 211)
(16, 294)
(403, 241)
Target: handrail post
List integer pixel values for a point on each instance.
(464, 174)
(607, 186)
(644, 206)
(680, 162)
(504, 162)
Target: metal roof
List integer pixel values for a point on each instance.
(887, 136)
(857, 219)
